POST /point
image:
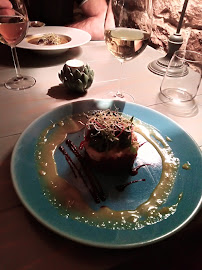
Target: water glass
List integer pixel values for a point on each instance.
(182, 78)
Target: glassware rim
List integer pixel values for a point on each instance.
(181, 55)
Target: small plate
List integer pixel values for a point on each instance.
(27, 185)
(75, 36)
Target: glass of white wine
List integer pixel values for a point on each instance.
(13, 28)
(128, 26)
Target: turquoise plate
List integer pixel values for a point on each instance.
(188, 182)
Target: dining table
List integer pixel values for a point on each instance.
(25, 243)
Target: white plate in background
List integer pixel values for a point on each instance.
(78, 37)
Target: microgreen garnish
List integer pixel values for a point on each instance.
(111, 123)
(106, 129)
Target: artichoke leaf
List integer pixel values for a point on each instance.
(80, 84)
(77, 74)
(84, 79)
(86, 69)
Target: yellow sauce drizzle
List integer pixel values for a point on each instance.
(69, 200)
(168, 139)
(186, 166)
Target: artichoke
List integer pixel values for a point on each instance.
(78, 80)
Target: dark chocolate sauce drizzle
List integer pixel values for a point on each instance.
(142, 144)
(81, 144)
(69, 160)
(122, 187)
(134, 171)
(91, 183)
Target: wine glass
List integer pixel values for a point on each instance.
(13, 28)
(128, 25)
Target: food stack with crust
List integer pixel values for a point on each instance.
(110, 141)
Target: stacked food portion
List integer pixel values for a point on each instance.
(110, 141)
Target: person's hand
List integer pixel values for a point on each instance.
(5, 7)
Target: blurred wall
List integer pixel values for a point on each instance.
(166, 17)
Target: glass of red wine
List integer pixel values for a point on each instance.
(128, 26)
(13, 28)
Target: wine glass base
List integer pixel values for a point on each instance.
(120, 96)
(20, 83)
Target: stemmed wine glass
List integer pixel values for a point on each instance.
(128, 26)
(13, 28)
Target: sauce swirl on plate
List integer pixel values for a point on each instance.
(70, 201)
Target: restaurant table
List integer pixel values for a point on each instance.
(27, 244)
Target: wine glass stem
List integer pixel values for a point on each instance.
(16, 62)
(119, 93)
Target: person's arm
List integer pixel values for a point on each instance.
(95, 11)
(5, 7)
